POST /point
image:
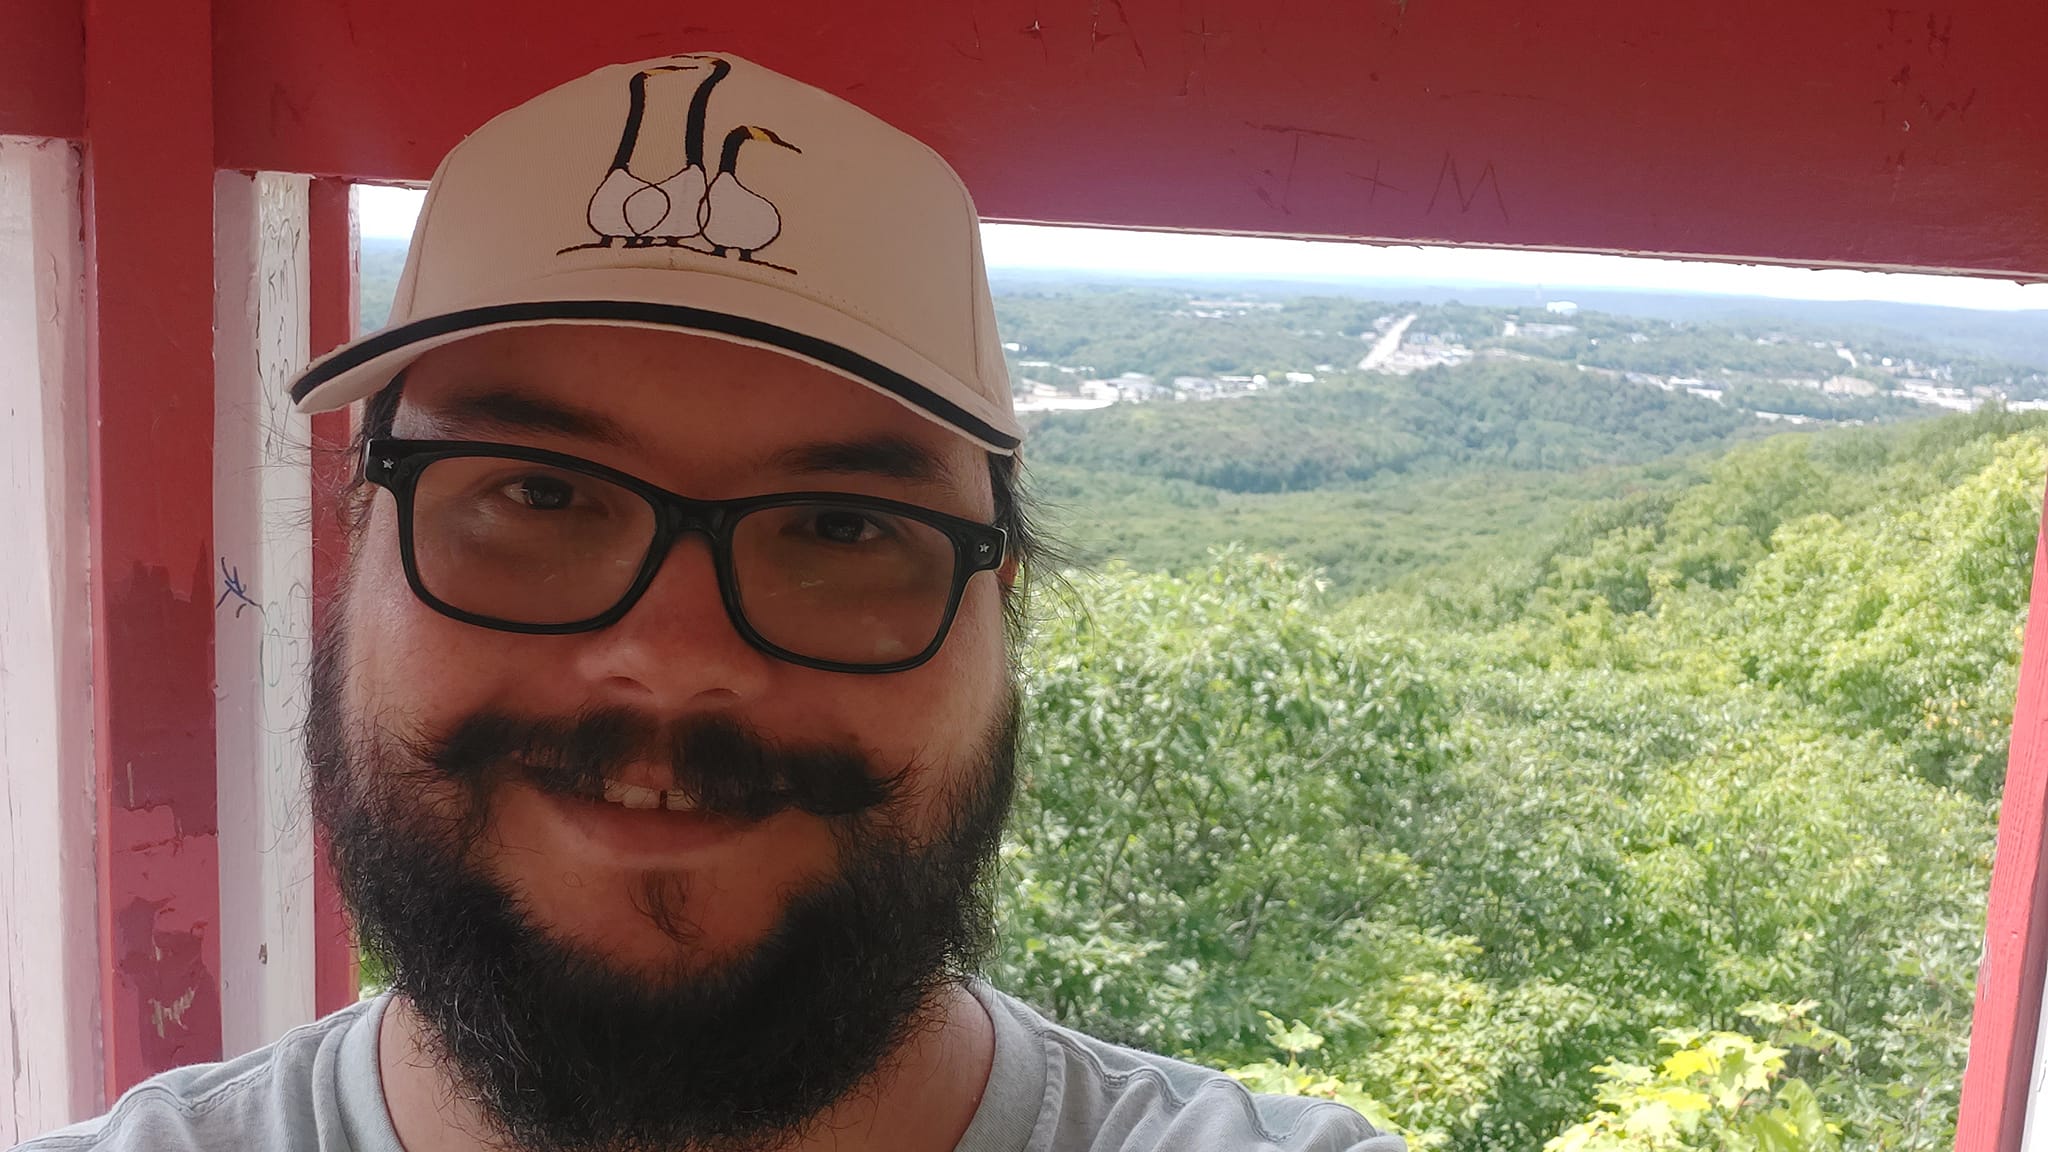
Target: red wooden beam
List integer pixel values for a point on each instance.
(42, 68)
(1883, 134)
(332, 256)
(2006, 1022)
(148, 183)
(1830, 131)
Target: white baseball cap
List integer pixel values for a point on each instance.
(704, 193)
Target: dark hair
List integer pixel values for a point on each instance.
(1017, 510)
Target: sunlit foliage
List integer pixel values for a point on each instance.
(1509, 843)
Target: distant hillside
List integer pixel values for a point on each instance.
(1476, 432)
(379, 260)
(1497, 414)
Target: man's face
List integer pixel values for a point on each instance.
(646, 911)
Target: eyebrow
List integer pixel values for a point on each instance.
(894, 457)
(501, 410)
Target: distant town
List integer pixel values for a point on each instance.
(1404, 343)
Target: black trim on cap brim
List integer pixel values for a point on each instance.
(668, 315)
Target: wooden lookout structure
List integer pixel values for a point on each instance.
(175, 243)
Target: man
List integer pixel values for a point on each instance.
(665, 731)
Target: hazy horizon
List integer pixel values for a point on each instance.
(388, 213)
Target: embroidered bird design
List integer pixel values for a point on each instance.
(633, 206)
(650, 196)
(735, 218)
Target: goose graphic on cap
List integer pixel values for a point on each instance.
(734, 217)
(631, 207)
(596, 203)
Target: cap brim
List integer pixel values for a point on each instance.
(753, 313)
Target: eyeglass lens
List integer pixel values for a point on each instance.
(527, 543)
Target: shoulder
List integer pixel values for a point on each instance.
(268, 1098)
(1104, 1096)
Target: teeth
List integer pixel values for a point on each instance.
(637, 796)
(631, 795)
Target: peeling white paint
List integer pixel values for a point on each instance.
(263, 627)
(174, 1012)
(49, 979)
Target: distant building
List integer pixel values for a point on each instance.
(1561, 307)
(1238, 306)
(1848, 386)
(1697, 387)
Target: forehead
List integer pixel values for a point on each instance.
(683, 403)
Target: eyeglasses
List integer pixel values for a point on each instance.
(526, 540)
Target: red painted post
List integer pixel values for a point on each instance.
(331, 229)
(2009, 982)
(148, 183)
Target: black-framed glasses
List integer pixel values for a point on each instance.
(526, 540)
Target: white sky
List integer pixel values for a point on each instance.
(390, 212)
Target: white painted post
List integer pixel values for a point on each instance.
(262, 529)
(49, 979)
(2034, 1133)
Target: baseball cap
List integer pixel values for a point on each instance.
(703, 193)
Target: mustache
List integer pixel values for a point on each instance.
(726, 767)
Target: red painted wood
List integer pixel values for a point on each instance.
(149, 289)
(332, 259)
(1898, 133)
(42, 68)
(1842, 131)
(2010, 979)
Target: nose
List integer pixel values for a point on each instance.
(676, 650)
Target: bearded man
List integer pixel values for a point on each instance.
(664, 732)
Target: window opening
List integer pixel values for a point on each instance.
(1531, 697)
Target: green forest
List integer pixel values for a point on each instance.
(1528, 758)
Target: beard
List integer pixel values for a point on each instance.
(565, 1052)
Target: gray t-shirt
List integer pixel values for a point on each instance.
(1051, 1090)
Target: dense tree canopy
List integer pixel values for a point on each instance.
(1518, 415)
(1731, 742)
